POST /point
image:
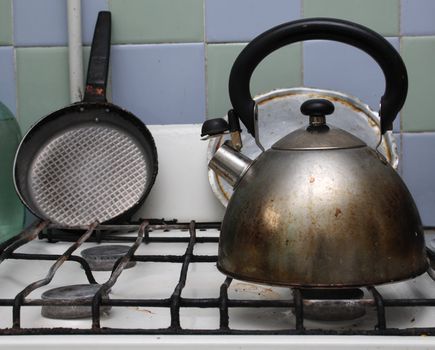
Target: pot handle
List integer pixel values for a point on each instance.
(96, 80)
(396, 78)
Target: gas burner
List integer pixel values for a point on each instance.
(104, 257)
(332, 304)
(84, 292)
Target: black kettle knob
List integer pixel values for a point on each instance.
(213, 127)
(218, 126)
(317, 107)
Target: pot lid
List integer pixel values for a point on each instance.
(318, 135)
(279, 113)
(305, 139)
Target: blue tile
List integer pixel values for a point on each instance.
(8, 93)
(40, 23)
(161, 84)
(418, 17)
(242, 20)
(336, 66)
(418, 168)
(44, 22)
(90, 11)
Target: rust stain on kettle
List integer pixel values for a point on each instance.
(338, 212)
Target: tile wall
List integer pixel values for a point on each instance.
(171, 59)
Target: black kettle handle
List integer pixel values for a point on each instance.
(396, 78)
(96, 81)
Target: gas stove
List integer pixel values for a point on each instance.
(174, 288)
(161, 287)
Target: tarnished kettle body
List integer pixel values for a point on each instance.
(321, 218)
(320, 208)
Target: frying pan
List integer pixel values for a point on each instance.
(91, 161)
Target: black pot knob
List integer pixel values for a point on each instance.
(317, 107)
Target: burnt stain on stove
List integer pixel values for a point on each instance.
(142, 310)
(249, 288)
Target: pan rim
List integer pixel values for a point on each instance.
(119, 112)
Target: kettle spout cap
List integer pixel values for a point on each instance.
(229, 163)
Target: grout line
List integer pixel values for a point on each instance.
(15, 67)
(204, 21)
(401, 111)
(400, 17)
(191, 42)
(109, 90)
(12, 23)
(302, 66)
(302, 72)
(400, 154)
(113, 44)
(205, 59)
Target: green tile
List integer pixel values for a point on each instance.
(5, 22)
(379, 15)
(42, 81)
(418, 54)
(157, 21)
(281, 69)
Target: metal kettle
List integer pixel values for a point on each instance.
(319, 208)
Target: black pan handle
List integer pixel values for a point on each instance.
(396, 78)
(98, 68)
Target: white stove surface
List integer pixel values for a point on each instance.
(187, 197)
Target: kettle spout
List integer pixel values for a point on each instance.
(229, 163)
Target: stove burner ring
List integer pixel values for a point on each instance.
(83, 292)
(104, 257)
(333, 304)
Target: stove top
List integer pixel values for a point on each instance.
(174, 288)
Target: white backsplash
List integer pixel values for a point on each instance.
(181, 190)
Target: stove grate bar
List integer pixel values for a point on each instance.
(430, 331)
(83, 263)
(24, 237)
(299, 309)
(20, 297)
(53, 238)
(154, 224)
(176, 295)
(224, 317)
(380, 308)
(215, 303)
(116, 272)
(175, 258)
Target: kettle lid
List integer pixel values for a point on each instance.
(318, 135)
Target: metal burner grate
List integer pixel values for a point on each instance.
(114, 233)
